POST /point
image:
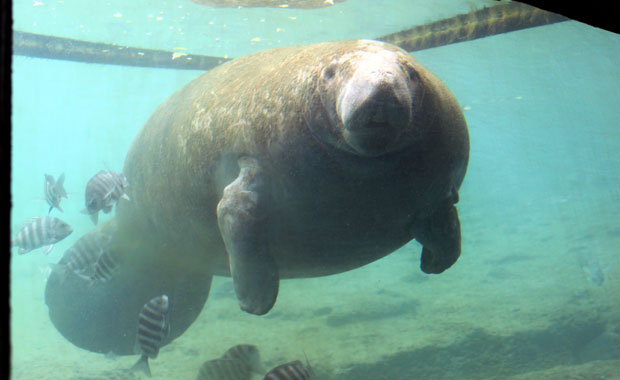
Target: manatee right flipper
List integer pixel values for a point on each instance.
(241, 215)
(441, 239)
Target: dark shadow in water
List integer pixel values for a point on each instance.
(408, 309)
(322, 311)
(373, 312)
(109, 375)
(482, 355)
(510, 259)
(223, 290)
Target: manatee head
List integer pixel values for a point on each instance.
(368, 95)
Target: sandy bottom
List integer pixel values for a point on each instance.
(516, 306)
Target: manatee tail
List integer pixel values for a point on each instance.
(142, 365)
(61, 269)
(104, 317)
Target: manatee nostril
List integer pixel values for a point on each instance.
(410, 71)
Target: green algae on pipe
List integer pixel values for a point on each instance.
(483, 23)
(478, 24)
(42, 46)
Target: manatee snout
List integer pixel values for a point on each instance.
(375, 108)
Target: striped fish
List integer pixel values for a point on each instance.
(247, 353)
(295, 370)
(82, 256)
(42, 231)
(225, 369)
(103, 191)
(104, 268)
(153, 327)
(54, 191)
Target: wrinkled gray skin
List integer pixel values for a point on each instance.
(293, 162)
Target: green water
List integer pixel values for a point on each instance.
(543, 187)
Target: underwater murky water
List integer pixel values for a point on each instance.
(535, 293)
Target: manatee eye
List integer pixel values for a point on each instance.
(327, 75)
(329, 72)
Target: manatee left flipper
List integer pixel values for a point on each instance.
(241, 215)
(441, 239)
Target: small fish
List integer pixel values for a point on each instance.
(153, 327)
(592, 267)
(225, 369)
(82, 256)
(104, 268)
(294, 370)
(247, 353)
(54, 191)
(42, 231)
(103, 191)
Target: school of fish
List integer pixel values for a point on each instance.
(92, 258)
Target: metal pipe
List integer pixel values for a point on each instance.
(486, 22)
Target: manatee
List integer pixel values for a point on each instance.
(287, 163)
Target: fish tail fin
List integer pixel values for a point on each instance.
(143, 365)
(95, 217)
(308, 366)
(59, 186)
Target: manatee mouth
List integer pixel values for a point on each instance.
(375, 108)
(371, 141)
